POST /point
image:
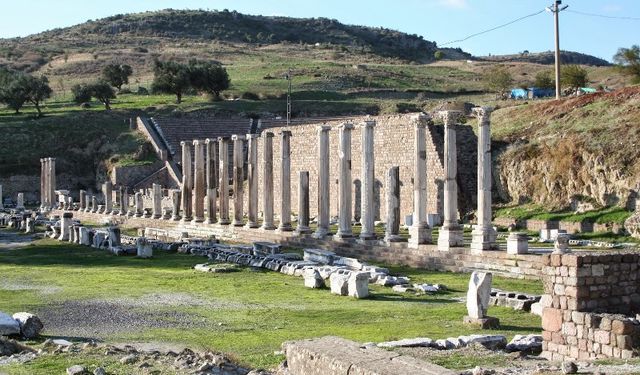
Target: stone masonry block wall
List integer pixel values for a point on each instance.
(393, 142)
(587, 304)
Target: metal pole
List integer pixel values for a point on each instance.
(556, 13)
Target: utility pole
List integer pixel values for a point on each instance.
(556, 9)
(288, 77)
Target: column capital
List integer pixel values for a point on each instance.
(267, 134)
(185, 143)
(323, 128)
(223, 139)
(237, 137)
(285, 133)
(210, 140)
(51, 159)
(450, 117)
(346, 126)
(252, 136)
(197, 142)
(482, 112)
(368, 124)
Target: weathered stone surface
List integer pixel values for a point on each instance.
(337, 356)
(30, 325)
(8, 325)
(525, 343)
(479, 294)
(408, 343)
(359, 284)
(144, 248)
(312, 279)
(339, 283)
(76, 370)
(319, 256)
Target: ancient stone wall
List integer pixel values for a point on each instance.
(393, 143)
(131, 175)
(590, 306)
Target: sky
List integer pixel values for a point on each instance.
(436, 20)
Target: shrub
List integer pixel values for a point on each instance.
(249, 96)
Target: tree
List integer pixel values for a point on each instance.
(81, 93)
(38, 91)
(544, 80)
(172, 78)
(117, 75)
(574, 76)
(628, 60)
(499, 80)
(438, 55)
(102, 91)
(18, 88)
(207, 76)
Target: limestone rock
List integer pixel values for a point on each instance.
(99, 371)
(129, 359)
(9, 347)
(8, 325)
(76, 370)
(359, 284)
(339, 283)
(569, 367)
(632, 224)
(479, 294)
(312, 279)
(561, 244)
(408, 343)
(30, 325)
(525, 343)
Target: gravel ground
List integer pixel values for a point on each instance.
(10, 240)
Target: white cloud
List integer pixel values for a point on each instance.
(457, 4)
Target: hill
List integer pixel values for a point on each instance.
(580, 149)
(548, 58)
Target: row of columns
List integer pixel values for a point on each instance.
(47, 183)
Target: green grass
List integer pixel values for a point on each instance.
(259, 310)
(605, 215)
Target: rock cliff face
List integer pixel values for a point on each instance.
(558, 153)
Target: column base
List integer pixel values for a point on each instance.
(450, 237)
(237, 223)
(367, 236)
(419, 235)
(268, 227)
(211, 221)
(252, 225)
(138, 214)
(341, 236)
(175, 218)
(285, 228)
(303, 230)
(483, 238)
(186, 220)
(393, 238)
(157, 216)
(224, 222)
(321, 233)
(197, 220)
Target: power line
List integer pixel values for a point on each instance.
(492, 29)
(604, 16)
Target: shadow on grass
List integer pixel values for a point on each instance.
(398, 298)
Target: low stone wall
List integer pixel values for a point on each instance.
(527, 266)
(569, 226)
(586, 295)
(337, 356)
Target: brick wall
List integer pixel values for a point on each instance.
(588, 300)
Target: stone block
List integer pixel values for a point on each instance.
(601, 337)
(622, 327)
(8, 325)
(339, 283)
(358, 284)
(312, 279)
(551, 319)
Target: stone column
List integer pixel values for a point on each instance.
(157, 201)
(43, 187)
(175, 200)
(52, 182)
(1, 199)
(187, 182)
(107, 190)
(212, 179)
(419, 232)
(65, 226)
(368, 182)
(223, 148)
(94, 203)
(83, 200)
(344, 183)
(252, 177)
(450, 234)
(392, 232)
(285, 182)
(88, 199)
(20, 202)
(323, 181)
(139, 203)
(483, 235)
(238, 180)
(303, 204)
(267, 182)
(199, 187)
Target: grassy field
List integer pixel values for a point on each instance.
(605, 215)
(247, 314)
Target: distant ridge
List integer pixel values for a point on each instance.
(568, 57)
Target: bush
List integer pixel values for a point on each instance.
(81, 93)
(249, 96)
(140, 50)
(142, 91)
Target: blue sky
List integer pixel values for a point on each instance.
(437, 20)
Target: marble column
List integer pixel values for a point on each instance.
(124, 200)
(303, 203)
(323, 181)
(267, 181)
(392, 231)
(223, 149)
(1, 199)
(43, 187)
(252, 179)
(52, 182)
(212, 180)
(483, 237)
(175, 201)
(20, 202)
(450, 234)
(344, 183)
(139, 203)
(238, 180)
(83, 200)
(107, 190)
(419, 232)
(156, 198)
(87, 204)
(199, 183)
(285, 182)
(94, 203)
(65, 226)
(368, 182)
(187, 182)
